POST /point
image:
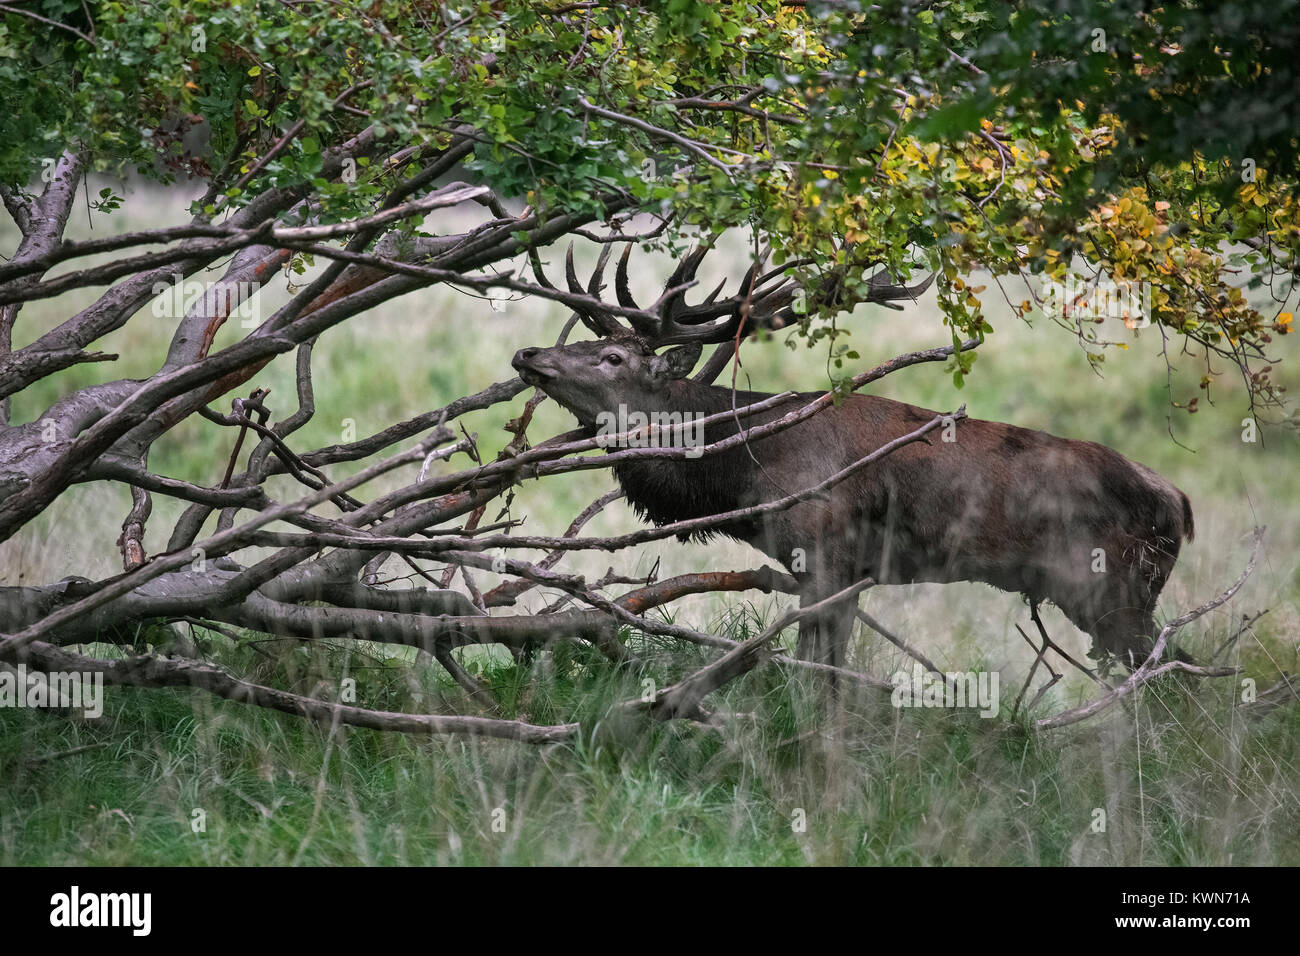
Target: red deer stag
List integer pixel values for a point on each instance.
(1071, 522)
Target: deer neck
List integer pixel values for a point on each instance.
(669, 489)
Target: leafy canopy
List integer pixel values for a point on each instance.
(1127, 141)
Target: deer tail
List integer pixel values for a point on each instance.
(1189, 526)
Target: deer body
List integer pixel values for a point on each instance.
(1071, 522)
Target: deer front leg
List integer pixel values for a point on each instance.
(824, 636)
(823, 564)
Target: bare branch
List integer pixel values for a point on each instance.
(684, 698)
(163, 672)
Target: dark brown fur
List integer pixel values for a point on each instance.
(1018, 509)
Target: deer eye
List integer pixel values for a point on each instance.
(613, 358)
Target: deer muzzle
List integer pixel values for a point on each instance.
(532, 367)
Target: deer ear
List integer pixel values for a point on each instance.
(678, 362)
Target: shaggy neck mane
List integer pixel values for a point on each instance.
(667, 490)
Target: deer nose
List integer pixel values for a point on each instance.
(523, 356)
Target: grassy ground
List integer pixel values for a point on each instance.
(1183, 776)
(1182, 782)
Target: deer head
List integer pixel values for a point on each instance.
(588, 378)
(623, 367)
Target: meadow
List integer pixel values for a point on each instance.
(1181, 773)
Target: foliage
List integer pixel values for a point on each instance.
(1108, 140)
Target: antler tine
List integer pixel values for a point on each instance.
(784, 267)
(646, 329)
(687, 266)
(571, 273)
(599, 321)
(708, 299)
(680, 314)
(883, 291)
(597, 282)
(621, 287)
(693, 260)
(723, 331)
(608, 324)
(538, 272)
(777, 298)
(683, 276)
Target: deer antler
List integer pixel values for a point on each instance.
(885, 292)
(763, 299)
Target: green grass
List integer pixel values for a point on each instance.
(1183, 777)
(887, 787)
